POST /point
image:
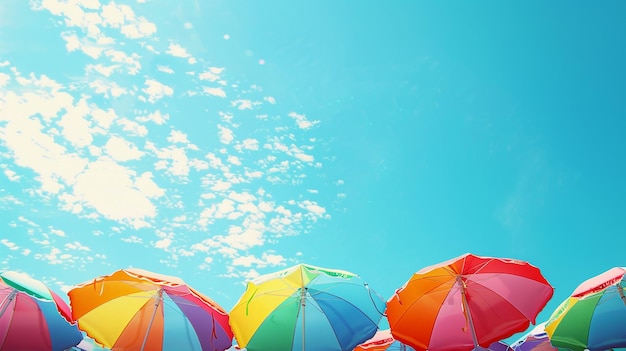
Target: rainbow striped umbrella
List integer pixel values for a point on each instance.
(306, 308)
(33, 317)
(134, 309)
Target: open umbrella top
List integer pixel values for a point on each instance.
(600, 282)
(594, 319)
(466, 302)
(306, 307)
(383, 341)
(535, 340)
(134, 309)
(33, 317)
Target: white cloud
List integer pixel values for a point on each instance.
(250, 144)
(314, 208)
(4, 79)
(177, 51)
(243, 239)
(244, 104)
(234, 160)
(147, 186)
(116, 15)
(156, 90)
(132, 127)
(175, 160)
(176, 136)
(154, 117)
(76, 127)
(11, 245)
(165, 69)
(130, 61)
(163, 243)
(109, 188)
(219, 92)
(76, 246)
(226, 135)
(304, 157)
(133, 239)
(14, 177)
(107, 89)
(57, 232)
(102, 69)
(38, 151)
(122, 150)
(302, 121)
(140, 29)
(221, 185)
(212, 74)
(103, 118)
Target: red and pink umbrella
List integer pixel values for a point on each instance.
(33, 317)
(466, 303)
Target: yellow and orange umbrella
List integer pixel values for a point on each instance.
(134, 309)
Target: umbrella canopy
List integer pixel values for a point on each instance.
(33, 317)
(535, 340)
(134, 309)
(593, 317)
(306, 308)
(496, 346)
(383, 341)
(467, 302)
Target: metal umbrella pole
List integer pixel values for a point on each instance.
(156, 307)
(466, 311)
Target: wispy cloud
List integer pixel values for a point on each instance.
(126, 149)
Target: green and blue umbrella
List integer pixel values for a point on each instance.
(594, 317)
(306, 308)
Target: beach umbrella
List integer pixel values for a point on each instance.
(383, 341)
(535, 340)
(593, 316)
(306, 308)
(496, 346)
(467, 302)
(33, 317)
(134, 309)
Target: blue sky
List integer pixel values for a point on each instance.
(220, 140)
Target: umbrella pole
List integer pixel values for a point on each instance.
(156, 307)
(303, 304)
(466, 310)
(620, 290)
(7, 300)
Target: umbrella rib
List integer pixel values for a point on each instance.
(347, 302)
